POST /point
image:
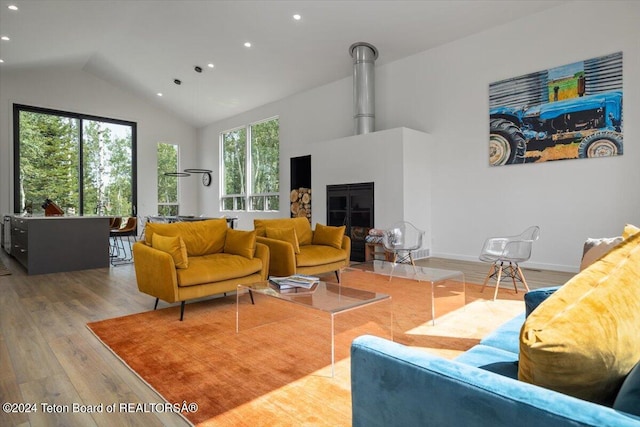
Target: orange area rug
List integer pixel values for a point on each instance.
(277, 370)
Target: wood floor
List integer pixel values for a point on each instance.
(48, 358)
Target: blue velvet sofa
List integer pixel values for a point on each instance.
(395, 385)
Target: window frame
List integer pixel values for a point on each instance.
(247, 195)
(81, 117)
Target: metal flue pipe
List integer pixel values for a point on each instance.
(364, 56)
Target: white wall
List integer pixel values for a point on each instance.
(444, 92)
(386, 158)
(70, 89)
(572, 199)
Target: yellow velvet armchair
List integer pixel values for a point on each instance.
(295, 248)
(188, 260)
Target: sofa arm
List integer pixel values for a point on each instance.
(395, 385)
(262, 252)
(155, 272)
(282, 258)
(346, 246)
(533, 299)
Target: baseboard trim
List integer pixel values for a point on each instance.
(526, 265)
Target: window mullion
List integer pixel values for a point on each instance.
(249, 165)
(81, 166)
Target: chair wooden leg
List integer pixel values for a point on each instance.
(156, 304)
(512, 273)
(393, 264)
(182, 310)
(338, 273)
(495, 294)
(413, 263)
(492, 269)
(524, 282)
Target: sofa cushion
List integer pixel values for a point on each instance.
(174, 246)
(628, 398)
(491, 359)
(594, 249)
(534, 298)
(630, 230)
(200, 237)
(286, 235)
(328, 235)
(241, 243)
(312, 255)
(506, 336)
(583, 340)
(217, 267)
(301, 225)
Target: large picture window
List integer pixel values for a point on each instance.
(83, 163)
(250, 172)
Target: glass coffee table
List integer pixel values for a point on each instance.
(330, 298)
(449, 283)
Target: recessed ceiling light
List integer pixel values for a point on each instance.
(1, 61)
(12, 7)
(247, 44)
(210, 65)
(5, 38)
(297, 17)
(159, 93)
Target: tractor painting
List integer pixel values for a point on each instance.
(573, 111)
(593, 122)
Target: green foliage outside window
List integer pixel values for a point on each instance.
(49, 164)
(107, 168)
(234, 145)
(167, 185)
(49, 161)
(260, 189)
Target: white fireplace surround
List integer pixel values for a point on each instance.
(396, 160)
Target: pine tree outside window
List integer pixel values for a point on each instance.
(85, 164)
(250, 167)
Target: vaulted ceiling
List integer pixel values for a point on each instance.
(142, 46)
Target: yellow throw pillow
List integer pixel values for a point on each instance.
(583, 339)
(284, 234)
(328, 235)
(301, 225)
(174, 246)
(200, 237)
(241, 243)
(630, 230)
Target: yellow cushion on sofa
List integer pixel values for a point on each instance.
(328, 235)
(286, 235)
(301, 225)
(584, 339)
(241, 243)
(174, 246)
(200, 237)
(226, 267)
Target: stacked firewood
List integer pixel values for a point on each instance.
(301, 203)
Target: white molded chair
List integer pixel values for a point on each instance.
(505, 254)
(402, 239)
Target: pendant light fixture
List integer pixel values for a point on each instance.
(206, 179)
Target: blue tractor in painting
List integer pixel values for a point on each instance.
(593, 121)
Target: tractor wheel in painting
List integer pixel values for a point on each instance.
(601, 144)
(507, 144)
